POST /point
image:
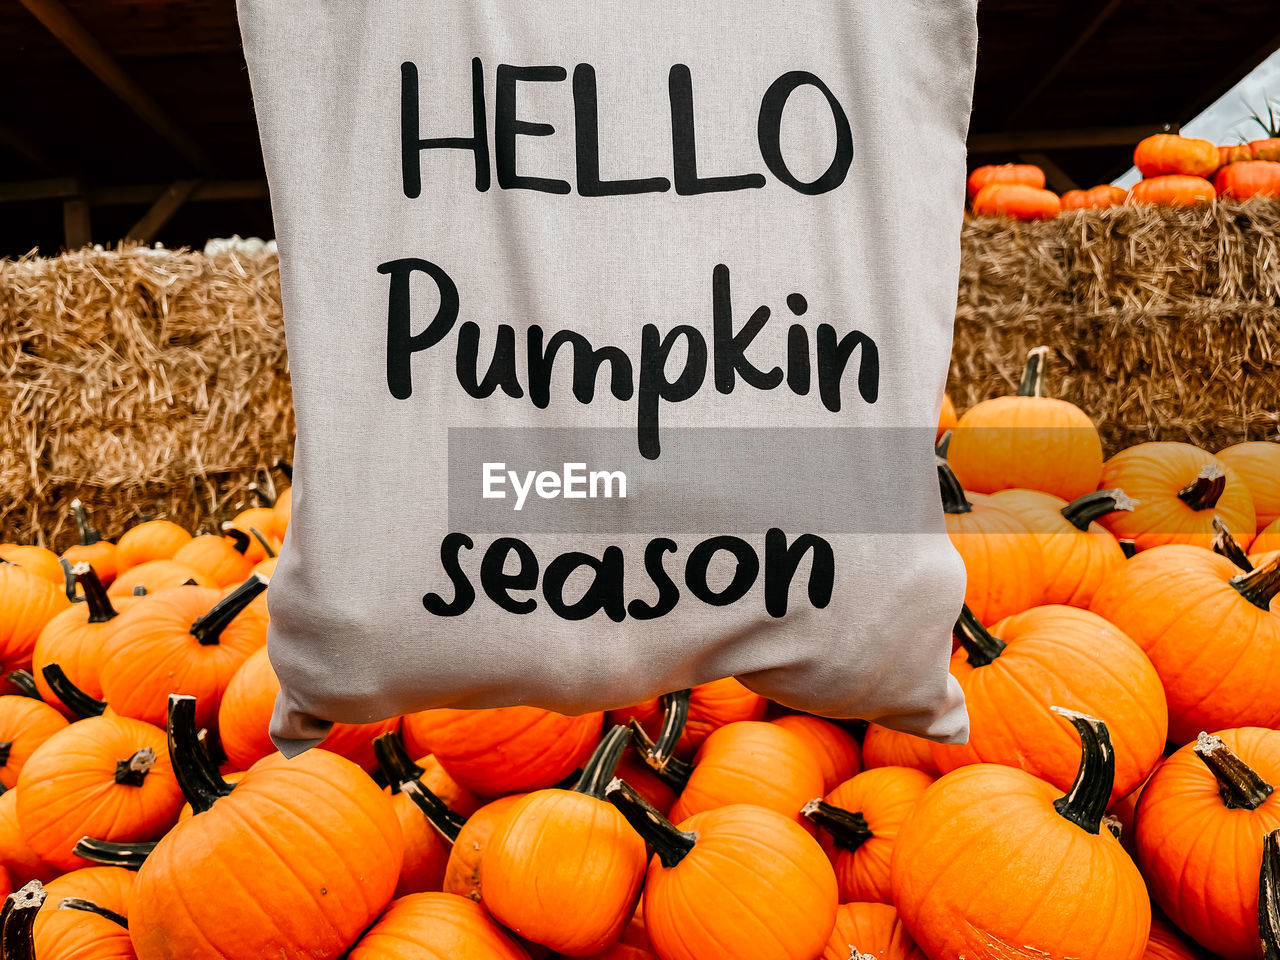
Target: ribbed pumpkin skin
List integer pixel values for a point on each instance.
(267, 522)
(20, 862)
(1095, 198)
(156, 576)
(711, 706)
(1169, 153)
(1216, 653)
(1004, 565)
(463, 874)
(986, 868)
(947, 417)
(1022, 173)
(1268, 541)
(882, 747)
(634, 944)
(25, 724)
(101, 556)
(67, 789)
(245, 713)
(835, 749)
(1201, 858)
(886, 797)
(1031, 443)
(1016, 200)
(27, 603)
(37, 561)
(510, 749)
(557, 848)
(309, 847)
(76, 935)
(217, 558)
(152, 540)
(1059, 656)
(1258, 464)
(153, 654)
(436, 926)
(873, 929)
(1152, 474)
(1168, 943)
(751, 762)
(1250, 178)
(426, 852)
(1172, 191)
(77, 646)
(722, 899)
(1075, 560)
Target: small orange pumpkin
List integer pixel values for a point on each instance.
(1016, 201)
(463, 872)
(1168, 943)
(1258, 464)
(1172, 191)
(24, 725)
(882, 747)
(1252, 178)
(76, 640)
(151, 540)
(221, 559)
(711, 706)
(263, 528)
(1095, 198)
(35, 560)
(1024, 174)
(832, 746)
(872, 930)
(156, 576)
(85, 916)
(91, 548)
(20, 862)
(1234, 153)
(1266, 149)
(1166, 153)
(947, 418)
(27, 604)
(436, 925)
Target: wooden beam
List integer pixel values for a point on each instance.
(18, 143)
(1023, 141)
(161, 212)
(76, 225)
(56, 188)
(1058, 179)
(207, 190)
(64, 25)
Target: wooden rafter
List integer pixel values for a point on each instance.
(58, 188)
(1022, 141)
(161, 212)
(1057, 178)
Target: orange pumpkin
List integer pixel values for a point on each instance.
(262, 526)
(27, 603)
(882, 747)
(105, 777)
(151, 540)
(1178, 490)
(1257, 464)
(24, 725)
(1028, 441)
(1017, 201)
(995, 862)
(1176, 602)
(1005, 567)
(947, 418)
(35, 560)
(189, 640)
(85, 916)
(871, 930)
(710, 706)
(256, 846)
(596, 862)
(20, 862)
(1268, 541)
(156, 576)
(1252, 178)
(1095, 198)
(1078, 551)
(1234, 153)
(1169, 153)
(436, 926)
(221, 559)
(91, 548)
(1024, 174)
(76, 640)
(832, 746)
(284, 509)
(634, 944)
(1015, 675)
(860, 820)
(1168, 943)
(1199, 830)
(1172, 191)
(509, 749)
(712, 885)
(244, 715)
(1265, 149)
(463, 872)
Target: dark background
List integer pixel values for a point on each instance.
(133, 117)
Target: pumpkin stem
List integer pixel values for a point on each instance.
(979, 644)
(447, 822)
(197, 776)
(285, 467)
(394, 760)
(69, 581)
(953, 498)
(1083, 511)
(1260, 585)
(671, 845)
(1269, 897)
(239, 539)
(88, 906)
(1203, 492)
(1085, 803)
(1239, 785)
(111, 854)
(660, 756)
(209, 628)
(604, 760)
(1112, 823)
(941, 448)
(5, 747)
(1224, 544)
(25, 682)
(849, 830)
(134, 770)
(17, 920)
(95, 594)
(140, 590)
(1129, 548)
(1032, 384)
(266, 545)
(263, 496)
(72, 697)
(84, 531)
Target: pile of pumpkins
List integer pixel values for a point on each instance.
(1176, 171)
(1116, 801)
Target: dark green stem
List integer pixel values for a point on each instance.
(1083, 511)
(1032, 384)
(25, 682)
(69, 581)
(95, 594)
(209, 628)
(1129, 548)
(264, 498)
(17, 920)
(239, 539)
(1224, 544)
(285, 467)
(87, 535)
(394, 760)
(660, 756)
(72, 697)
(943, 446)
(604, 761)
(983, 649)
(88, 906)
(6, 746)
(111, 854)
(1269, 897)
(953, 498)
(1085, 804)
(1203, 492)
(849, 830)
(140, 590)
(1260, 585)
(671, 845)
(447, 822)
(199, 779)
(134, 770)
(265, 543)
(1239, 785)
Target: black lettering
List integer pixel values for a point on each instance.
(781, 562)
(401, 344)
(464, 595)
(605, 592)
(586, 367)
(412, 144)
(668, 593)
(744, 574)
(502, 368)
(730, 348)
(769, 133)
(587, 135)
(498, 584)
(506, 127)
(684, 143)
(833, 357)
(654, 385)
